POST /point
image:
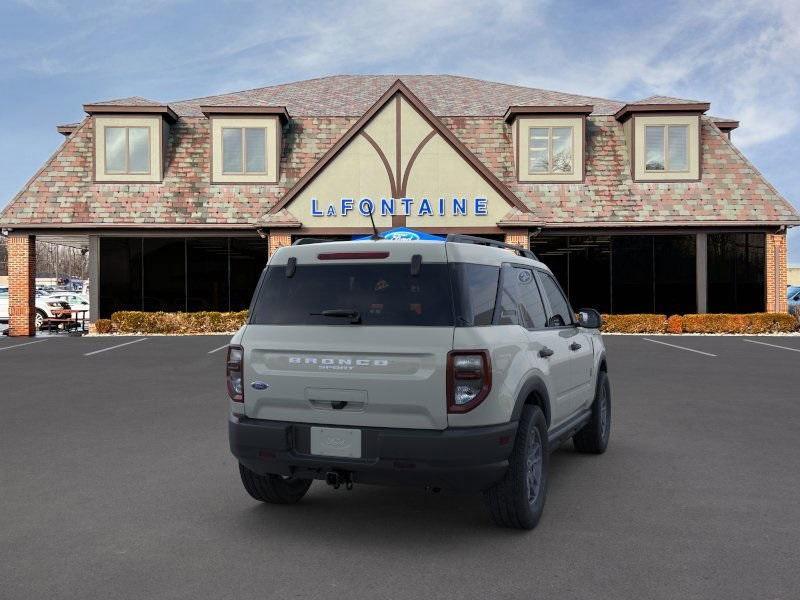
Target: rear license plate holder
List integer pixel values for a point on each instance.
(336, 441)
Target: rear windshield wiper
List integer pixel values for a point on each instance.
(344, 313)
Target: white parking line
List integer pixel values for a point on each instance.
(113, 347)
(772, 345)
(680, 347)
(20, 345)
(218, 349)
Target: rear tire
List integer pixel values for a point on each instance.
(273, 489)
(593, 438)
(39, 318)
(518, 499)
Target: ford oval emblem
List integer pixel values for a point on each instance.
(402, 236)
(259, 385)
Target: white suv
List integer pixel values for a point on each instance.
(455, 365)
(47, 307)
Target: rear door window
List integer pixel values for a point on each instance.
(475, 292)
(560, 311)
(382, 294)
(520, 300)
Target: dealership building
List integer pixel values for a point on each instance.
(641, 206)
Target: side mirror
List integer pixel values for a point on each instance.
(589, 318)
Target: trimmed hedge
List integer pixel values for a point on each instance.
(748, 323)
(129, 321)
(708, 323)
(634, 323)
(225, 322)
(103, 326)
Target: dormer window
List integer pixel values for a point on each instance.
(663, 138)
(130, 140)
(550, 150)
(548, 142)
(666, 148)
(244, 150)
(245, 143)
(127, 150)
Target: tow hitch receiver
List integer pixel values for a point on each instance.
(338, 478)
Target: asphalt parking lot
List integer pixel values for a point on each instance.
(116, 482)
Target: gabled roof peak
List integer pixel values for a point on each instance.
(666, 100)
(129, 101)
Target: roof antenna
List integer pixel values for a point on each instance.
(375, 235)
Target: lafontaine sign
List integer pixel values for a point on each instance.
(422, 207)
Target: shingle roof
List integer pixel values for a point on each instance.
(130, 101)
(63, 193)
(665, 100)
(352, 95)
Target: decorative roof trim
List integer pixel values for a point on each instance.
(578, 109)
(68, 129)
(131, 109)
(280, 111)
(398, 87)
(629, 109)
(725, 124)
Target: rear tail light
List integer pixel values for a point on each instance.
(469, 379)
(234, 373)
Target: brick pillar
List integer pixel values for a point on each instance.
(518, 237)
(278, 238)
(775, 272)
(21, 284)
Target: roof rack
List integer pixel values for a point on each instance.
(311, 240)
(471, 239)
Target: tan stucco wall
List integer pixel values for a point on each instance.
(526, 123)
(270, 123)
(438, 171)
(640, 122)
(156, 147)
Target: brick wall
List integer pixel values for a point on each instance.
(21, 284)
(776, 273)
(279, 238)
(518, 237)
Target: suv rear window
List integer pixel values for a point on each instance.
(382, 294)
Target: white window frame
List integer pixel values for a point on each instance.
(127, 129)
(550, 129)
(244, 171)
(665, 148)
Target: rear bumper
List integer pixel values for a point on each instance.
(469, 458)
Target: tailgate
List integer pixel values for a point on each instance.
(340, 375)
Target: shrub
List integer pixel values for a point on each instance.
(163, 322)
(103, 326)
(675, 324)
(634, 323)
(707, 323)
(747, 323)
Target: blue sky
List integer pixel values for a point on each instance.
(56, 55)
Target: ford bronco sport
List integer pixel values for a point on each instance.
(456, 365)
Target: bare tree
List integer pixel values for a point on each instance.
(52, 260)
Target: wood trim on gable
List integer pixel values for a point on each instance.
(398, 87)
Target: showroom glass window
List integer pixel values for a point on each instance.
(736, 272)
(624, 274)
(666, 148)
(127, 150)
(178, 274)
(550, 150)
(244, 150)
